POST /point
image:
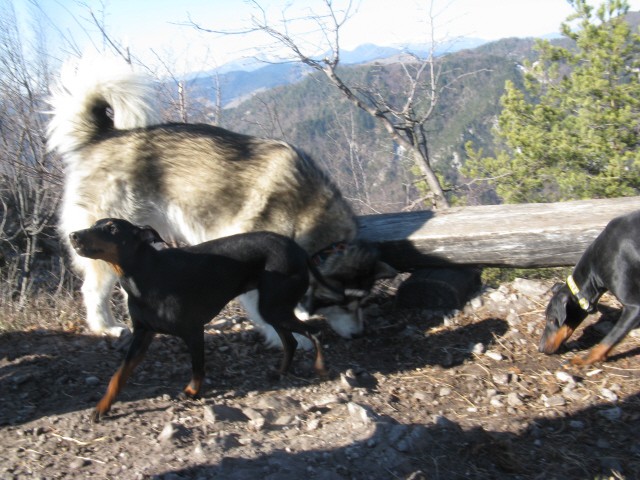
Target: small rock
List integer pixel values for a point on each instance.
(571, 394)
(530, 288)
(348, 379)
(491, 392)
(477, 349)
(423, 396)
(252, 414)
(494, 355)
(445, 391)
(209, 414)
(476, 302)
(608, 395)
(325, 400)
(198, 451)
(313, 424)
(565, 377)
(168, 432)
(257, 424)
(92, 380)
(359, 414)
(553, 401)
(498, 297)
(501, 378)
(513, 319)
(79, 463)
(495, 402)
(514, 400)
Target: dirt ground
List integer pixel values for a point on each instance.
(423, 395)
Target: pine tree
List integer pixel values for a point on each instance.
(573, 131)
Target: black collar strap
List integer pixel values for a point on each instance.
(582, 300)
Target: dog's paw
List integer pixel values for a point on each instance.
(272, 340)
(117, 330)
(97, 416)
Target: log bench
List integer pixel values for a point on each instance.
(446, 247)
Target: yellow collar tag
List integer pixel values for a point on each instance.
(573, 287)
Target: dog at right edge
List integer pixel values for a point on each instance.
(611, 263)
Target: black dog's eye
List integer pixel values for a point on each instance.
(113, 229)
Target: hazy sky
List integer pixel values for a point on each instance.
(147, 25)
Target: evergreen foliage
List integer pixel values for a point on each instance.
(572, 130)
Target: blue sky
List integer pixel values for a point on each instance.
(152, 27)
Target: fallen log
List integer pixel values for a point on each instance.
(524, 235)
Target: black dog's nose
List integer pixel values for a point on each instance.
(74, 238)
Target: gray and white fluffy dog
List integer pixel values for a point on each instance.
(192, 183)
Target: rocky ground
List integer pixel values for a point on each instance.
(424, 395)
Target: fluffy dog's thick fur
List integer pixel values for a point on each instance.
(193, 183)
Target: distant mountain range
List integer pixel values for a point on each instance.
(239, 79)
(293, 103)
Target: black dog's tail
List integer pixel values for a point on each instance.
(96, 94)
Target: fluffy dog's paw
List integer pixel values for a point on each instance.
(117, 330)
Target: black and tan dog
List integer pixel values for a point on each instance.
(611, 263)
(178, 290)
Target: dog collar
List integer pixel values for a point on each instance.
(582, 300)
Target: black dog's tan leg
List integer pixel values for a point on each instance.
(296, 326)
(139, 345)
(318, 365)
(195, 343)
(289, 345)
(629, 319)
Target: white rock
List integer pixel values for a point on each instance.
(608, 394)
(494, 355)
(476, 302)
(553, 401)
(167, 433)
(358, 413)
(209, 414)
(444, 391)
(531, 288)
(565, 377)
(514, 400)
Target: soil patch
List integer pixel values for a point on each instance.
(423, 395)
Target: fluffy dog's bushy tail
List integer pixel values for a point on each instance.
(95, 94)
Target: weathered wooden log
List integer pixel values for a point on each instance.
(524, 235)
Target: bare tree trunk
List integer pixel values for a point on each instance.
(399, 122)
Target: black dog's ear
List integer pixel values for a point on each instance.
(149, 235)
(557, 308)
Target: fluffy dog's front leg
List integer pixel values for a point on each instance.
(97, 288)
(249, 301)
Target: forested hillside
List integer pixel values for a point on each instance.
(355, 150)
